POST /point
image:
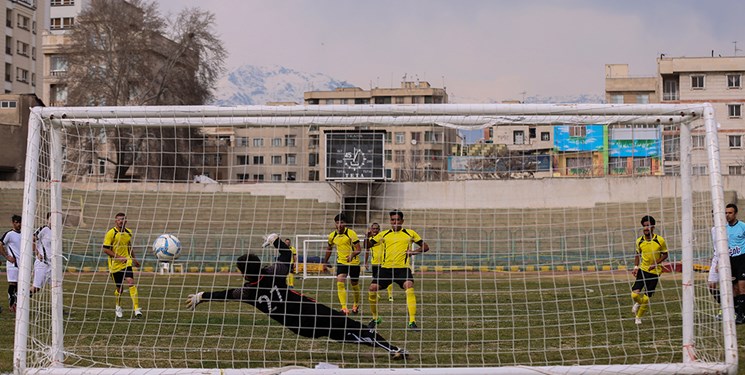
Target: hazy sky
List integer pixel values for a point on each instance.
(476, 48)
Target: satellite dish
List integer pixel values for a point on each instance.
(413, 141)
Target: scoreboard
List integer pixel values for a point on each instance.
(355, 154)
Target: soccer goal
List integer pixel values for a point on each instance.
(531, 214)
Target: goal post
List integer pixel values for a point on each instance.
(532, 235)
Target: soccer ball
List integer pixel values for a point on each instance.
(167, 247)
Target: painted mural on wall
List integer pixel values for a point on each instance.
(636, 148)
(575, 138)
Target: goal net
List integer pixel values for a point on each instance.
(531, 214)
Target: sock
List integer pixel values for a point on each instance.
(411, 304)
(636, 297)
(135, 297)
(740, 304)
(342, 291)
(118, 296)
(644, 305)
(373, 298)
(390, 291)
(291, 279)
(715, 293)
(356, 294)
(12, 294)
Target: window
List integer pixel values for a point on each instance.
(8, 104)
(416, 156)
(9, 18)
(62, 2)
(21, 75)
(671, 147)
(416, 136)
(258, 160)
(433, 154)
(57, 65)
(102, 166)
(313, 175)
(432, 137)
(242, 159)
(290, 140)
(22, 48)
(415, 100)
(399, 100)
(733, 82)
(291, 176)
(242, 176)
(258, 142)
(387, 137)
(642, 98)
(642, 165)
(617, 165)
(697, 81)
(276, 142)
(577, 131)
(313, 141)
(698, 141)
(258, 177)
(734, 110)
(343, 101)
(616, 99)
(388, 155)
(735, 169)
(735, 141)
(699, 170)
(24, 22)
(8, 45)
(276, 177)
(276, 159)
(518, 137)
(545, 136)
(62, 23)
(400, 138)
(241, 141)
(312, 160)
(8, 72)
(291, 159)
(329, 101)
(400, 156)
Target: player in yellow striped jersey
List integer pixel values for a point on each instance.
(293, 265)
(347, 262)
(396, 266)
(376, 252)
(651, 251)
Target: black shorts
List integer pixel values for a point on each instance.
(388, 276)
(375, 271)
(352, 271)
(119, 276)
(738, 267)
(646, 281)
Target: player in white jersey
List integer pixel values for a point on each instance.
(42, 250)
(10, 248)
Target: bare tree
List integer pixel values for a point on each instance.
(126, 53)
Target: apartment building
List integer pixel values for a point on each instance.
(24, 20)
(682, 80)
(411, 153)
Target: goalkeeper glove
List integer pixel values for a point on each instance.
(269, 239)
(194, 300)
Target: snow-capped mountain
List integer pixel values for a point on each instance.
(257, 85)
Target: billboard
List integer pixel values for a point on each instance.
(355, 154)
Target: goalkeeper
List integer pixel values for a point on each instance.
(266, 289)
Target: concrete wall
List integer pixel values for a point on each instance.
(544, 193)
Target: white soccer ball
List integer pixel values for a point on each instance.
(167, 247)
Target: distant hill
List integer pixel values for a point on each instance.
(257, 85)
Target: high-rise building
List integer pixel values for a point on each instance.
(682, 80)
(24, 21)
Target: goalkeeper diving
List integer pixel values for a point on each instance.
(266, 289)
